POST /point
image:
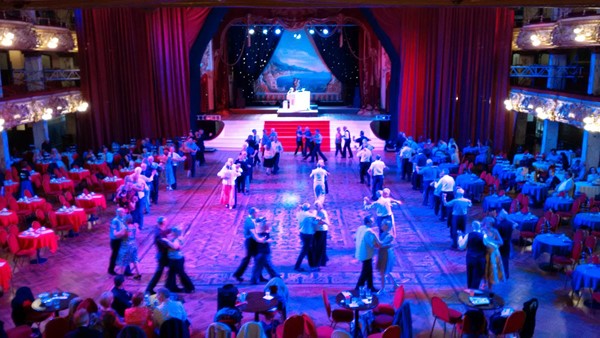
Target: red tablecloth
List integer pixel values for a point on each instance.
(112, 186)
(99, 167)
(38, 240)
(96, 200)
(8, 217)
(5, 275)
(123, 173)
(76, 218)
(36, 179)
(11, 188)
(42, 167)
(32, 204)
(79, 175)
(62, 185)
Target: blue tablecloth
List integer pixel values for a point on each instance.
(544, 166)
(495, 202)
(472, 185)
(586, 276)
(558, 203)
(526, 222)
(537, 191)
(591, 220)
(551, 243)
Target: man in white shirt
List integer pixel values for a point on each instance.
(347, 142)
(567, 186)
(319, 174)
(459, 208)
(307, 221)
(168, 308)
(376, 172)
(383, 208)
(366, 242)
(445, 185)
(406, 154)
(364, 157)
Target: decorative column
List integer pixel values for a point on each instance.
(521, 129)
(589, 150)
(34, 72)
(40, 133)
(4, 150)
(594, 77)
(555, 81)
(550, 136)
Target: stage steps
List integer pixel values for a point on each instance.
(235, 132)
(286, 131)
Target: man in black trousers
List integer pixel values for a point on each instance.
(366, 242)
(250, 243)
(162, 250)
(117, 231)
(505, 227)
(476, 244)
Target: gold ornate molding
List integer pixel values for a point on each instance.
(538, 36)
(576, 32)
(20, 35)
(36, 108)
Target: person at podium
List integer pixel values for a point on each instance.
(295, 85)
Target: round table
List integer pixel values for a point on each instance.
(553, 244)
(38, 239)
(8, 218)
(558, 203)
(110, 185)
(537, 191)
(91, 201)
(588, 219)
(472, 185)
(53, 302)
(255, 302)
(342, 299)
(495, 202)
(586, 276)
(526, 222)
(125, 172)
(542, 165)
(589, 189)
(495, 301)
(78, 175)
(75, 217)
(31, 204)
(5, 274)
(62, 184)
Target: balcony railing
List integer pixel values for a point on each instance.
(545, 71)
(21, 76)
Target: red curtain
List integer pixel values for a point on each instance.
(134, 68)
(453, 71)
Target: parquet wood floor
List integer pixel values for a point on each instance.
(425, 264)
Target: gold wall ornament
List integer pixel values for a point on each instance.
(54, 39)
(537, 36)
(42, 107)
(577, 32)
(17, 35)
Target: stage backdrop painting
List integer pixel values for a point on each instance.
(296, 63)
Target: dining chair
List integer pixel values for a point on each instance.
(445, 314)
(337, 315)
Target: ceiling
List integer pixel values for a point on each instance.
(71, 4)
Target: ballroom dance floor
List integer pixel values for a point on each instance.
(425, 264)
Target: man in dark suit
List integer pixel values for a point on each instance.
(476, 245)
(81, 320)
(121, 297)
(505, 227)
(162, 250)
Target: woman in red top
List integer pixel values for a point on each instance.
(138, 314)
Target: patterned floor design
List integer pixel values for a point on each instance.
(425, 264)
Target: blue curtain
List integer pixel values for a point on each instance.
(253, 58)
(342, 61)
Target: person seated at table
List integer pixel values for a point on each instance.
(92, 309)
(25, 183)
(592, 176)
(578, 170)
(109, 318)
(139, 314)
(122, 298)
(168, 308)
(553, 156)
(73, 305)
(230, 316)
(566, 187)
(276, 286)
(81, 319)
(476, 244)
(552, 181)
(22, 313)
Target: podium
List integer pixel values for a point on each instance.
(299, 100)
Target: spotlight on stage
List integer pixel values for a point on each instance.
(277, 31)
(251, 31)
(265, 31)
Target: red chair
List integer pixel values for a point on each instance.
(571, 259)
(61, 229)
(57, 327)
(292, 327)
(579, 235)
(17, 252)
(525, 209)
(48, 192)
(23, 331)
(27, 194)
(3, 239)
(3, 203)
(12, 230)
(384, 313)
(466, 328)
(445, 314)
(514, 206)
(538, 230)
(337, 315)
(589, 244)
(568, 215)
(116, 173)
(8, 175)
(35, 225)
(514, 323)
(40, 216)
(483, 175)
(313, 331)
(63, 201)
(393, 331)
